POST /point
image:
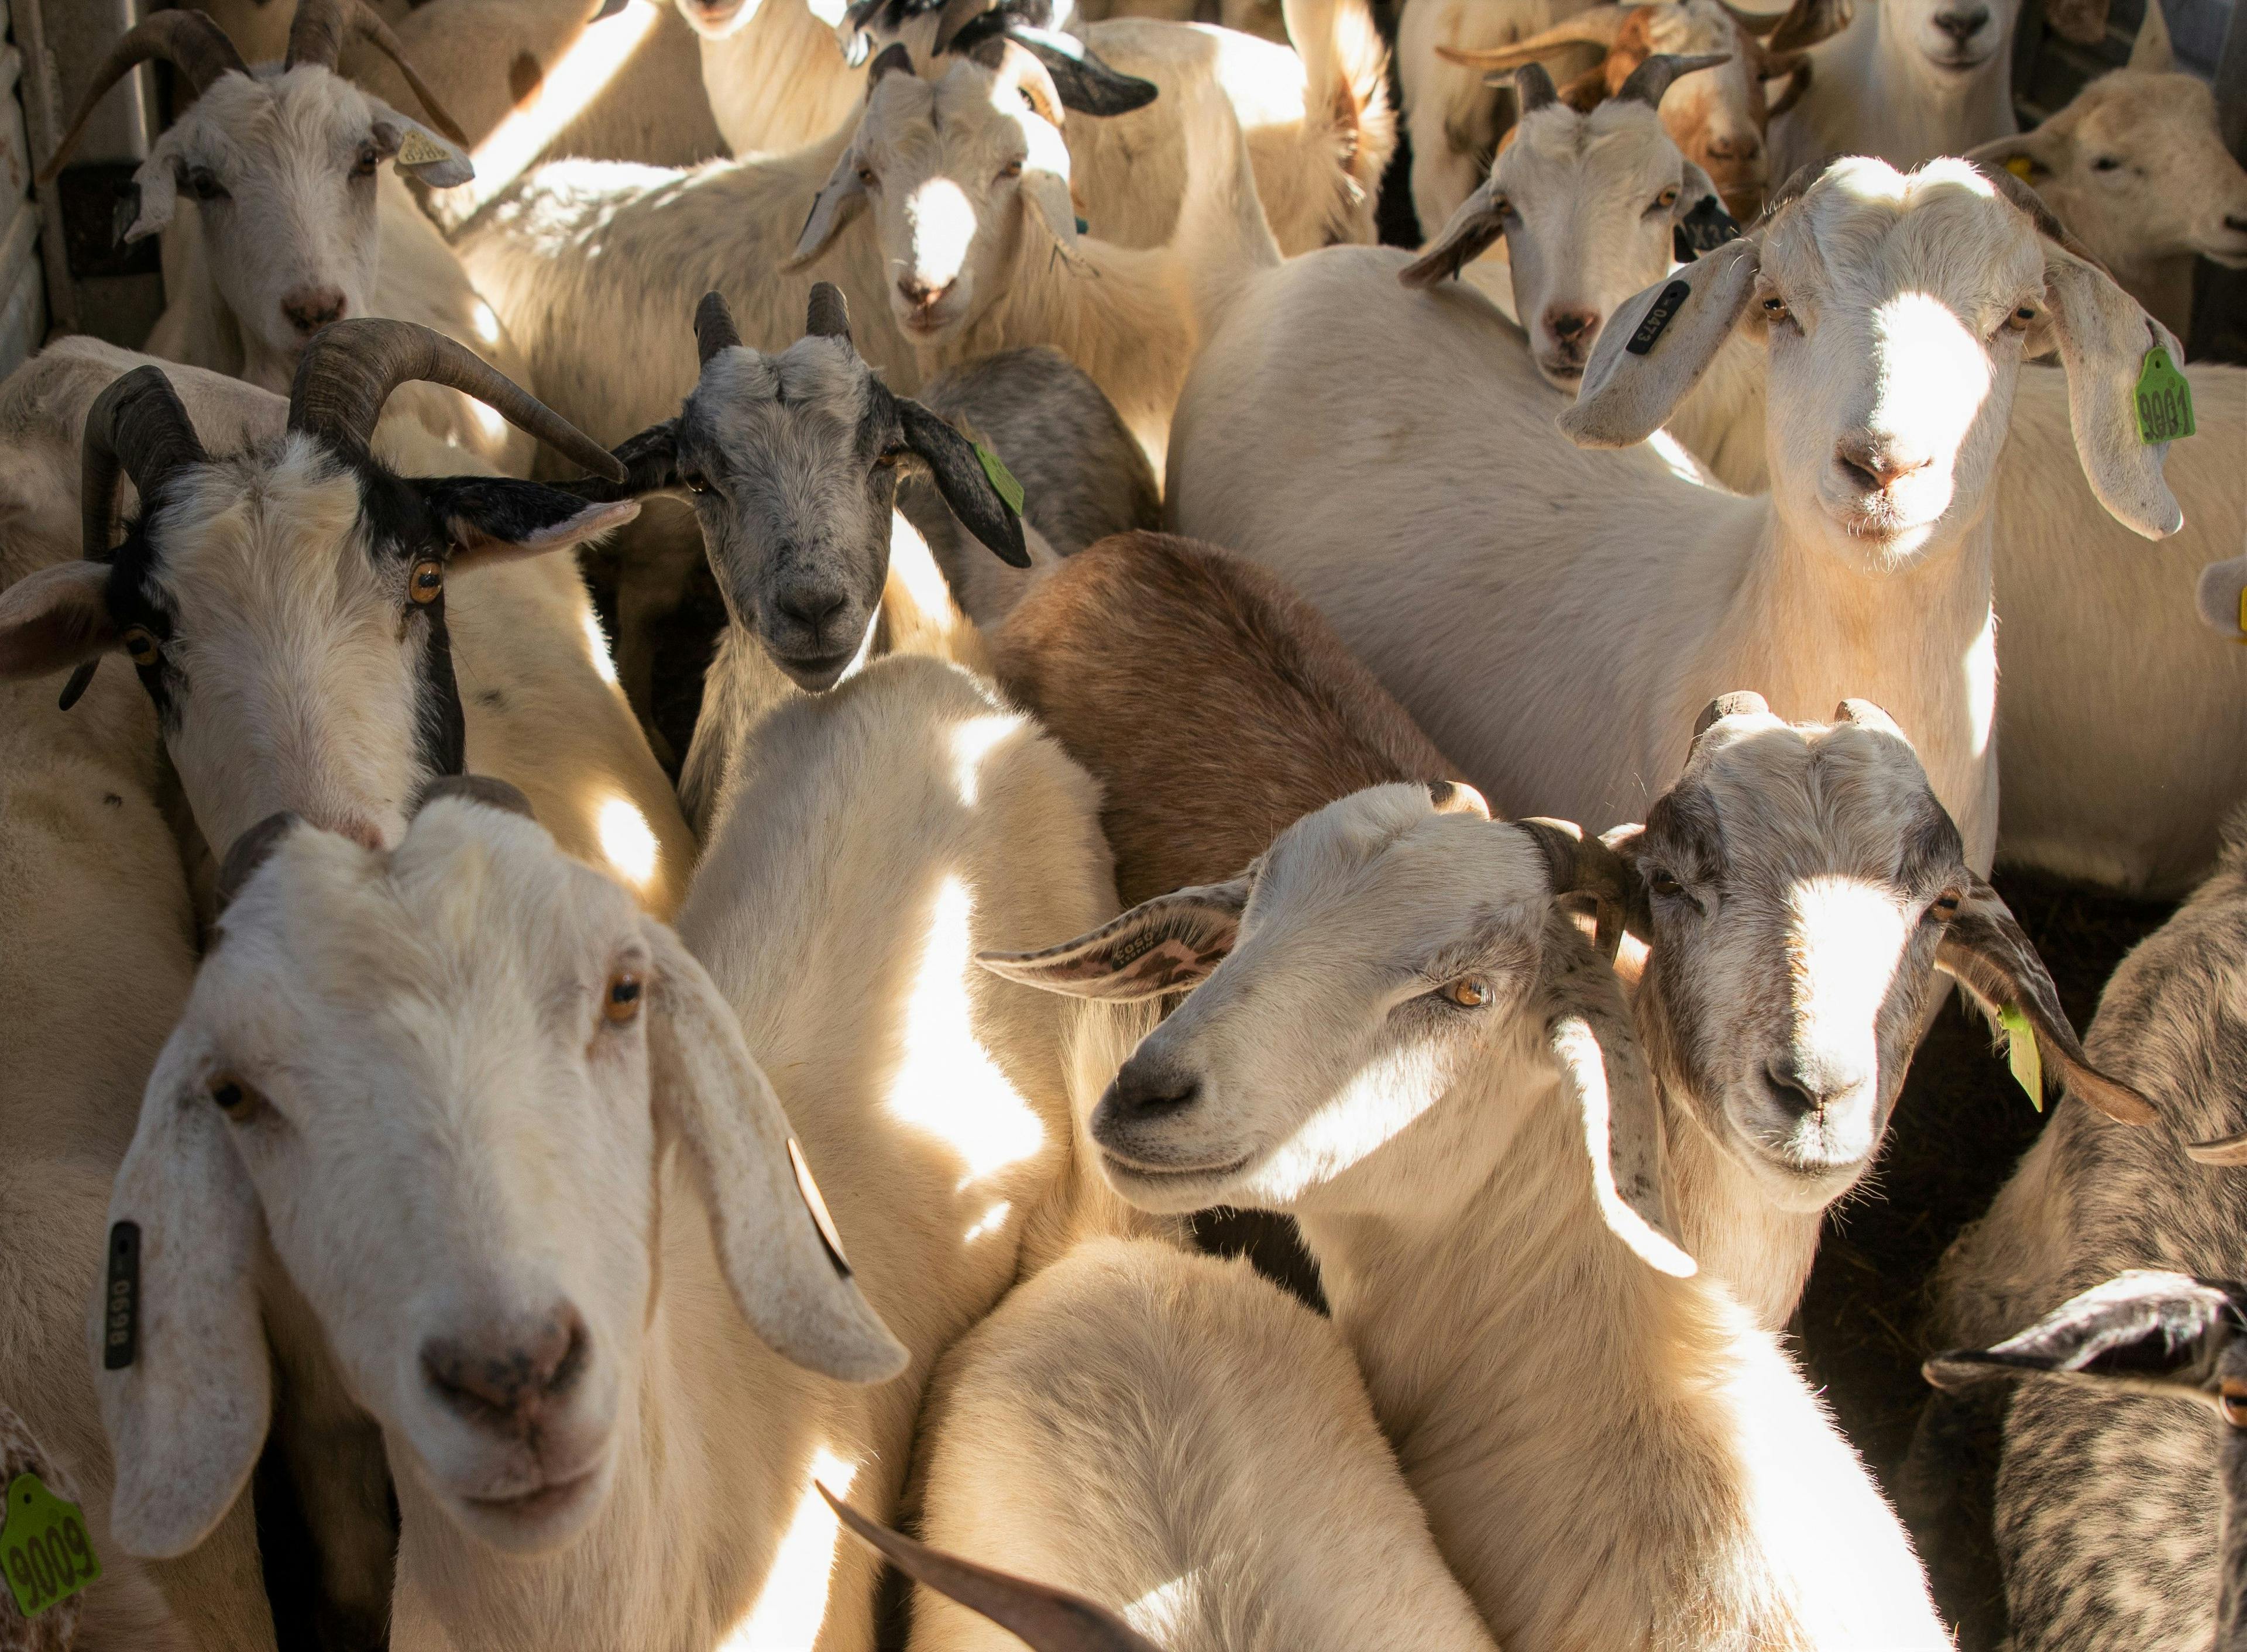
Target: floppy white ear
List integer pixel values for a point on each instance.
(419, 152)
(2104, 338)
(1045, 187)
(1658, 344)
(837, 203)
(1623, 1137)
(180, 1361)
(788, 1274)
(159, 188)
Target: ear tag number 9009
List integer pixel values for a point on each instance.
(44, 1547)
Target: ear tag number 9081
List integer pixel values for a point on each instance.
(44, 1547)
(2164, 398)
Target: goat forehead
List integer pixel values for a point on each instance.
(1795, 804)
(822, 376)
(305, 111)
(1395, 887)
(1865, 234)
(2151, 113)
(245, 536)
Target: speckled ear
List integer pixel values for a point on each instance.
(1166, 945)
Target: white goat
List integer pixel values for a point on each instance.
(1180, 1442)
(293, 224)
(97, 951)
(1720, 113)
(2136, 168)
(287, 606)
(1397, 1038)
(1634, 595)
(2107, 1525)
(1912, 79)
(1800, 888)
(776, 73)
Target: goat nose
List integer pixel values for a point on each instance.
(1962, 26)
(1871, 465)
(810, 606)
(309, 309)
(1570, 324)
(1144, 1090)
(1803, 1086)
(922, 295)
(1735, 145)
(502, 1378)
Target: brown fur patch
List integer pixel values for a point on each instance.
(525, 76)
(1214, 705)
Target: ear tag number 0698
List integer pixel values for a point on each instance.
(44, 1547)
(2164, 398)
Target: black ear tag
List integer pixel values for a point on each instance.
(1672, 299)
(74, 690)
(1703, 230)
(120, 1299)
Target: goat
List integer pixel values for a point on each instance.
(1173, 1438)
(1589, 206)
(97, 951)
(1392, 1035)
(2087, 1201)
(1911, 79)
(1802, 893)
(1720, 115)
(2136, 168)
(286, 609)
(556, 1344)
(776, 76)
(1634, 595)
(293, 223)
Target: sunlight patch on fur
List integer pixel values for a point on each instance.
(627, 841)
(577, 77)
(787, 1615)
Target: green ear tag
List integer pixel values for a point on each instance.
(2021, 1054)
(44, 1547)
(1001, 478)
(2164, 399)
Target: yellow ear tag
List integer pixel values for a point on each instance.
(2242, 619)
(2164, 399)
(2022, 1054)
(2021, 167)
(1001, 478)
(44, 1547)
(418, 151)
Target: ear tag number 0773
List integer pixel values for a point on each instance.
(2164, 398)
(44, 1547)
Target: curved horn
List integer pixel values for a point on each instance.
(1533, 90)
(1581, 865)
(351, 367)
(139, 425)
(1863, 713)
(950, 17)
(829, 313)
(1597, 27)
(187, 40)
(1656, 76)
(318, 31)
(1741, 702)
(714, 327)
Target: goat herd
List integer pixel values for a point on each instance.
(412, 1100)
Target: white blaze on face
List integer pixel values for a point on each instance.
(1933, 378)
(940, 228)
(1846, 941)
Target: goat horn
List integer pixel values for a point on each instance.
(190, 41)
(1656, 76)
(950, 17)
(1741, 702)
(1597, 27)
(351, 367)
(1865, 714)
(137, 425)
(251, 850)
(1533, 90)
(829, 315)
(714, 327)
(488, 790)
(1581, 865)
(319, 29)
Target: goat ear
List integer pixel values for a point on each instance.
(180, 1361)
(55, 618)
(965, 485)
(419, 153)
(1083, 83)
(780, 1255)
(2104, 340)
(1045, 189)
(157, 186)
(2028, 155)
(1606, 1078)
(2151, 51)
(1166, 945)
(1479, 222)
(2222, 597)
(1658, 344)
(497, 518)
(838, 201)
(2139, 1330)
(1984, 950)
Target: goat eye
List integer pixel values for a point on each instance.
(1666, 200)
(694, 482)
(1663, 884)
(1012, 169)
(2022, 318)
(369, 157)
(2233, 1398)
(235, 1099)
(140, 646)
(1469, 992)
(620, 1004)
(891, 454)
(1774, 308)
(2107, 163)
(867, 177)
(426, 583)
(1945, 907)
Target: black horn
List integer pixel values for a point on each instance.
(137, 426)
(319, 29)
(190, 42)
(1652, 78)
(713, 326)
(1533, 90)
(351, 367)
(829, 314)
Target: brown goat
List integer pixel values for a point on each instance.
(1214, 705)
